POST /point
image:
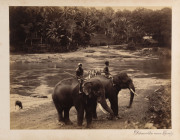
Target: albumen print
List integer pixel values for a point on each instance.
(90, 67)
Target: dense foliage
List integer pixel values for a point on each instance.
(160, 108)
(66, 28)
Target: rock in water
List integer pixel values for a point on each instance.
(38, 96)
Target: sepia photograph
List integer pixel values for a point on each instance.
(90, 67)
(89, 70)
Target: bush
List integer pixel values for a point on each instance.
(131, 46)
(160, 107)
(103, 44)
(155, 49)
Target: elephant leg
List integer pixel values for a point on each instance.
(114, 104)
(94, 114)
(60, 111)
(59, 108)
(89, 113)
(66, 116)
(80, 114)
(60, 115)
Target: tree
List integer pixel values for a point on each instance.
(123, 26)
(74, 26)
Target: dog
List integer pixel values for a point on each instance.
(18, 103)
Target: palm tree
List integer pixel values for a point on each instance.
(87, 28)
(55, 31)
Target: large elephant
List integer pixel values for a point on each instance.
(66, 94)
(112, 88)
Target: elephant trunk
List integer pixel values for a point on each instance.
(105, 106)
(132, 92)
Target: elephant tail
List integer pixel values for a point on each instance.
(54, 98)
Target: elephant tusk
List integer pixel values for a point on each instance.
(133, 92)
(86, 93)
(102, 109)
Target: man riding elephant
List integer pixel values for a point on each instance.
(106, 69)
(107, 73)
(79, 75)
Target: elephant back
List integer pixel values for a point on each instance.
(68, 82)
(67, 85)
(101, 78)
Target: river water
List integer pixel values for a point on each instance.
(28, 78)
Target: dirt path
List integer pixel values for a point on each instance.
(39, 113)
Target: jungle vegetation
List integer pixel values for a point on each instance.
(61, 29)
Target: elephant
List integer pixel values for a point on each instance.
(66, 94)
(112, 88)
(95, 88)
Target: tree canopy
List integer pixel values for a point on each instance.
(66, 28)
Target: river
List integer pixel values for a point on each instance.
(39, 77)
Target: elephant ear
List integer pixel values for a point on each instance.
(87, 87)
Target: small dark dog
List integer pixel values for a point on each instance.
(18, 103)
